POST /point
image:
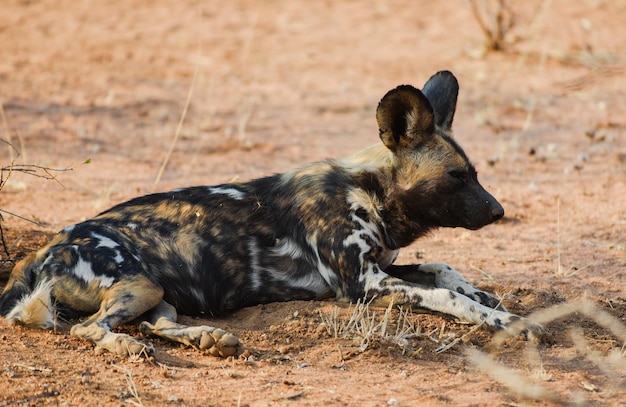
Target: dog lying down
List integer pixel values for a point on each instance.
(330, 229)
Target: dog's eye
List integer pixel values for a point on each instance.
(458, 174)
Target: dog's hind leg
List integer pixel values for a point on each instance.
(123, 302)
(214, 341)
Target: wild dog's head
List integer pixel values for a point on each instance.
(433, 182)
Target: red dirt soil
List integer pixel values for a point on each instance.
(100, 87)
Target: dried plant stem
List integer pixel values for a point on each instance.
(131, 386)
(504, 21)
(509, 377)
(178, 128)
(5, 124)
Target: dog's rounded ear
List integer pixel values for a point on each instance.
(405, 118)
(442, 90)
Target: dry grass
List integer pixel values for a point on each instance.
(498, 19)
(526, 375)
(179, 128)
(6, 171)
(395, 327)
(370, 329)
(131, 387)
(533, 385)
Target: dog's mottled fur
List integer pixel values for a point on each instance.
(332, 228)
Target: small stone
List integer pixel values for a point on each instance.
(284, 349)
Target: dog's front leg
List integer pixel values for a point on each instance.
(441, 275)
(384, 289)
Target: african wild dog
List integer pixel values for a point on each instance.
(331, 228)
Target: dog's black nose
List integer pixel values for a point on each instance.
(497, 211)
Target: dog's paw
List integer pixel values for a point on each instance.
(220, 343)
(533, 331)
(213, 341)
(513, 325)
(124, 345)
(519, 326)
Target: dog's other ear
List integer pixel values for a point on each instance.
(442, 90)
(405, 118)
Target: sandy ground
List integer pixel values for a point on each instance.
(100, 88)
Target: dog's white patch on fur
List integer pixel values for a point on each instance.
(359, 199)
(357, 237)
(287, 247)
(308, 281)
(34, 309)
(447, 277)
(232, 192)
(255, 269)
(68, 229)
(327, 273)
(371, 281)
(84, 271)
(104, 241)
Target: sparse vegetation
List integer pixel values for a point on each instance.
(29, 169)
(529, 385)
(370, 329)
(498, 20)
(132, 396)
(373, 328)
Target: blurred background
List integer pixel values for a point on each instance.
(104, 101)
